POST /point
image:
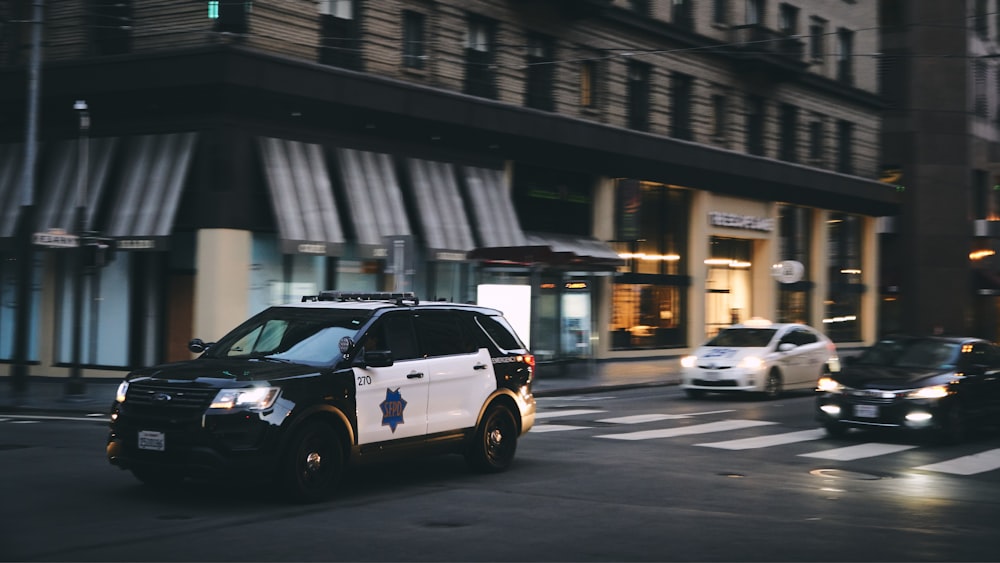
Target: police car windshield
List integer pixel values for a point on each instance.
(289, 336)
(743, 338)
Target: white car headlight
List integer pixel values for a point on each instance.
(254, 398)
(829, 385)
(689, 361)
(933, 392)
(751, 362)
(121, 392)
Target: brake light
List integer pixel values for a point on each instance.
(528, 359)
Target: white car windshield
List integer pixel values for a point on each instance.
(743, 338)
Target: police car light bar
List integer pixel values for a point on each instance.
(364, 296)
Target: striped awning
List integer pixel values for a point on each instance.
(62, 188)
(301, 196)
(155, 168)
(11, 166)
(495, 218)
(442, 213)
(374, 198)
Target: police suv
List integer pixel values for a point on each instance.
(298, 391)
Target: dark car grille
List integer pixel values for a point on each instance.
(871, 396)
(167, 396)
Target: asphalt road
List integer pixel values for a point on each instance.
(628, 475)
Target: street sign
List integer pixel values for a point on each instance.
(56, 239)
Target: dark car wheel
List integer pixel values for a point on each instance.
(156, 477)
(772, 387)
(955, 429)
(313, 464)
(835, 429)
(492, 449)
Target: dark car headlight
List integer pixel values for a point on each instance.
(932, 392)
(829, 385)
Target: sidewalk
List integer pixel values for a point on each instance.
(50, 394)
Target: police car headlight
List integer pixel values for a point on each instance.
(120, 393)
(688, 361)
(751, 362)
(254, 398)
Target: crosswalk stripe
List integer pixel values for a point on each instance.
(767, 441)
(555, 428)
(859, 451)
(967, 465)
(571, 412)
(720, 426)
(643, 418)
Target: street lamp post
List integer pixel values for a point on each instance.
(75, 385)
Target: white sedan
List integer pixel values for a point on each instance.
(760, 357)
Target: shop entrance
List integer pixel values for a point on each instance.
(727, 283)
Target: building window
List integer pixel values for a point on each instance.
(588, 84)
(816, 141)
(413, 39)
(979, 88)
(340, 39)
(789, 133)
(982, 24)
(788, 22)
(480, 79)
(755, 125)
(817, 39)
(541, 73)
(845, 56)
(230, 15)
(795, 236)
(720, 12)
(845, 147)
(680, 106)
(682, 15)
(640, 7)
(755, 12)
(638, 95)
(651, 225)
(112, 27)
(719, 111)
(843, 308)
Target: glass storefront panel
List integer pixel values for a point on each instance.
(843, 306)
(8, 309)
(646, 316)
(105, 329)
(728, 283)
(794, 239)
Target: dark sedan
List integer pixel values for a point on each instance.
(943, 386)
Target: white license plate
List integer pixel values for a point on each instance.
(149, 440)
(710, 376)
(866, 411)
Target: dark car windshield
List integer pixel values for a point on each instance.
(743, 338)
(290, 335)
(912, 353)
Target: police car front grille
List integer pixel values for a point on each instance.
(165, 395)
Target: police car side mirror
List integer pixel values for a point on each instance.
(375, 359)
(198, 346)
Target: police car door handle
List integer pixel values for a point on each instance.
(414, 375)
(479, 366)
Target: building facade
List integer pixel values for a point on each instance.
(621, 177)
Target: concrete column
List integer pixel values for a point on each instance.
(697, 253)
(603, 209)
(870, 278)
(818, 267)
(222, 283)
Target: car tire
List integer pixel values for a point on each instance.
(156, 477)
(313, 463)
(955, 429)
(492, 449)
(773, 385)
(835, 429)
(694, 393)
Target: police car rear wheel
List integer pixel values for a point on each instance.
(313, 464)
(496, 441)
(156, 477)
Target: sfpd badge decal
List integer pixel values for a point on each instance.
(392, 408)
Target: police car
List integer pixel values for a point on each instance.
(760, 357)
(299, 391)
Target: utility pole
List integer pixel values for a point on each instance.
(75, 386)
(24, 246)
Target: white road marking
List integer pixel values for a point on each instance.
(555, 428)
(720, 426)
(859, 452)
(39, 417)
(25, 421)
(967, 465)
(768, 441)
(642, 418)
(572, 412)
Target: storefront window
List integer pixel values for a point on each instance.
(795, 228)
(843, 309)
(728, 283)
(651, 224)
(105, 328)
(8, 309)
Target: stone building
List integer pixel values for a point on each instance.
(621, 177)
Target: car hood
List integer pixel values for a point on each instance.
(885, 377)
(726, 356)
(219, 372)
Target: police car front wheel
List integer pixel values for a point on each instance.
(495, 442)
(313, 463)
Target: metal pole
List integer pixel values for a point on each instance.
(25, 248)
(75, 385)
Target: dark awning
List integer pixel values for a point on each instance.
(374, 198)
(149, 190)
(442, 214)
(301, 197)
(567, 252)
(62, 191)
(11, 165)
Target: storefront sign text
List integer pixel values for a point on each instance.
(736, 221)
